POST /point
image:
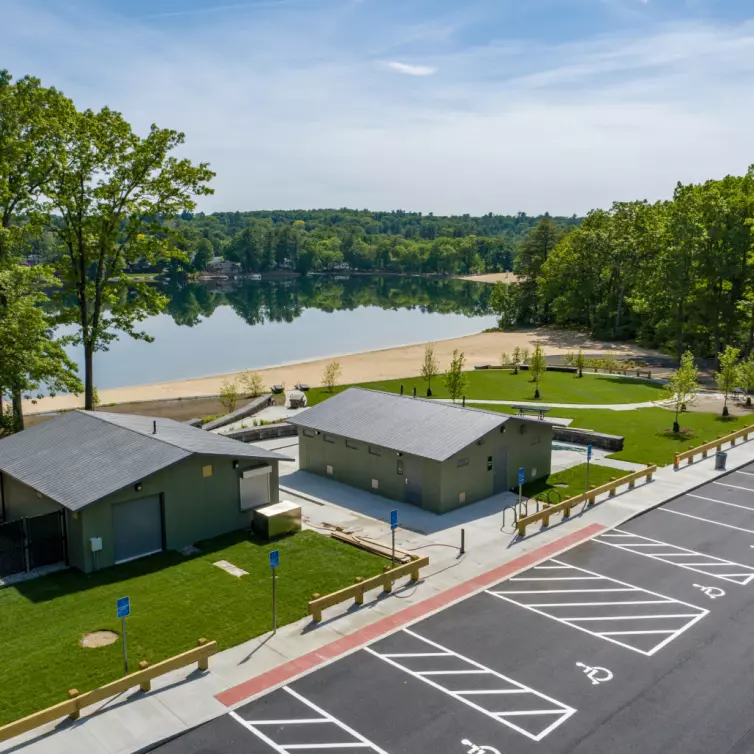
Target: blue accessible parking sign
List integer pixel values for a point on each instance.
(521, 475)
(588, 452)
(274, 558)
(393, 519)
(123, 606)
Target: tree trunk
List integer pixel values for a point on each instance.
(18, 411)
(679, 335)
(88, 378)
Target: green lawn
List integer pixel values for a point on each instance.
(174, 601)
(647, 431)
(572, 482)
(556, 387)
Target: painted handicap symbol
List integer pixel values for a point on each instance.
(474, 749)
(596, 675)
(713, 592)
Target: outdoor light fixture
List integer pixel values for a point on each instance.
(137, 486)
(235, 464)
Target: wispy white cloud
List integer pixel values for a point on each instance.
(410, 70)
(293, 108)
(214, 9)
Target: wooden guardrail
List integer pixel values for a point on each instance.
(716, 444)
(356, 592)
(590, 497)
(141, 678)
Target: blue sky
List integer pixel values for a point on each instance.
(434, 105)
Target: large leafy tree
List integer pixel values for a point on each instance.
(113, 192)
(32, 122)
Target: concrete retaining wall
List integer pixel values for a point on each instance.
(586, 437)
(268, 432)
(251, 408)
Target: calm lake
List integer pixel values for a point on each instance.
(249, 324)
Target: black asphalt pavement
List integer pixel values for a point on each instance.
(641, 640)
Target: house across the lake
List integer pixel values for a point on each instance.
(438, 456)
(114, 487)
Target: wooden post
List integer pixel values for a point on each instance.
(521, 529)
(145, 685)
(415, 573)
(387, 582)
(566, 513)
(203, 663)
(546, 520)
(649, 476)
(705, 452)
(612, 492)
(632, 484)
(359, 598)
(676, 462)
(72, 694)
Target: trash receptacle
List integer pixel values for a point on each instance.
(720, 459)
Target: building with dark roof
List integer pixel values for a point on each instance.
(128, 486)
(436, 455)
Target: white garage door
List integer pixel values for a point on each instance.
(255, 488)
(137, 526)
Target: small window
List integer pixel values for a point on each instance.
(462, 497)
(489, 463)
(399, 467)
(374, 451)
(375, 484)
(351, 444)
(535, 440)
(329, 470)
(309, 433)
(462, 462)
(207, 470)
(534, 473)
(329, 438)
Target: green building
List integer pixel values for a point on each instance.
(97, 488)
(435, 455)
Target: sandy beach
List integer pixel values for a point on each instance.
(492, 277)
(390, 363)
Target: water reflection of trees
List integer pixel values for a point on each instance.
(257, 302)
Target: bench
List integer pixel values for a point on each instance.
(522, 410)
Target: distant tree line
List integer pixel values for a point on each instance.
(330, 240)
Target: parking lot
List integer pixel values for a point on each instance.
(641, 640)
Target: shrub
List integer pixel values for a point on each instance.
(229, 396)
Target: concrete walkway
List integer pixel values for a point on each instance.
(545, 404)
(186, 698)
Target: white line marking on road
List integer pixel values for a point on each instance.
(308, 721)
(334, 720)
(637, 617)
(721, 502)
(554, 578)
(748, 473)
(697, 615)
(257, 733)
(706, 520)
(549, 568)
(299, 747)
(562, 711)
(743, 577)
(563, 591)
(733, 486)
(585, 604)
(419, 654)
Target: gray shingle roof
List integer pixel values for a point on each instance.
(82, 456)
(425, 428)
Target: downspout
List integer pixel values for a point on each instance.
(2, 495)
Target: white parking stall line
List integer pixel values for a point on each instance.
(747, 473)
(706, 564)
(632, 610)
(325, 718)
(535, 730)
(554, 578)
(706, 520)
(733, 486)
(419, 654)
(721, 502)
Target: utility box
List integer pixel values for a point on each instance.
(274, 521)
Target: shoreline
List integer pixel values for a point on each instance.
(365, 366)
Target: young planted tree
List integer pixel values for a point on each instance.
(331, 375)
(683, 386)
(727, 377)
(746, 377)
(504, 302)
(430, 367)
(111, 194)
(516, 355)
(524, 355)
(579, 361)
(229, 396)
(253, 384)
(538, 368)
(505, 359)
(456, 380)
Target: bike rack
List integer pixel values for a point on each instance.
(515, 514)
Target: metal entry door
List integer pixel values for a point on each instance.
(413, 469)
(499, 470)
(137, 527)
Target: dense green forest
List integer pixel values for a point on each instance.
(675, 274)
(322, 240)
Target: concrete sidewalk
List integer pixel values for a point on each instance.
(186, 698)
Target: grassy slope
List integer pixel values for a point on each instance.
(571, 482)
(647, 430)
(557, 387)
(175, 600)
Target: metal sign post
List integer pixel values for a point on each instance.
(588, 458)
(123, 607)
(274, 563)
(521, 478)
(393, 527)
